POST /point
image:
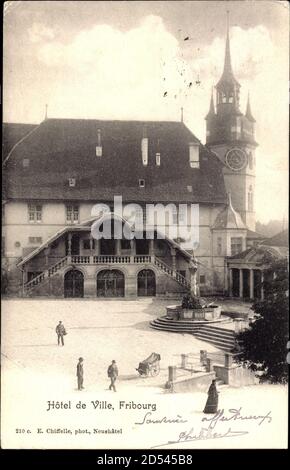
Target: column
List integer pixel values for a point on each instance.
(133, 249)
(231, 282)
(184, 358)
(69, 237)
(171, 373)
(241, 283)
(69, 244)
(173, 257)
(228, 360)
(251, 283)
(262, 288)
(151, 247)
(118, 247)
(203, 356)
(97, 247)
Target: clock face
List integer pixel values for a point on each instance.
(236, 159)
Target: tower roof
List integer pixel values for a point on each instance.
(248, 114)
(228, 218)
(227, 77)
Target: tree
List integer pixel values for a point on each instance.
(263, 347)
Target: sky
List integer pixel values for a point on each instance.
(147, 59)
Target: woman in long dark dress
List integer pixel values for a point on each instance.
(211, 405)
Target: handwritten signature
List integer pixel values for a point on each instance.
(147, 420)
(203, 434)
(235, 414)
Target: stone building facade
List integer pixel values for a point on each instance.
(55, 173)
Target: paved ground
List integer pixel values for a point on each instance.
(35, 370)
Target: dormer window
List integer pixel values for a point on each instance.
(141, 183)
(99, 149)
(71, 182)
(194, 154)
(157, 159)
(25, 162)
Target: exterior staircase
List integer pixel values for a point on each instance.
(222, 338)
(107, 259)
(45, 275)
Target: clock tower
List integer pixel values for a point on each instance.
(230, 135)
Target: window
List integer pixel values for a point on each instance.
(35, 240)
(174, 216)
(157, 159)
(141, 183)
(189, 189)
(99, 151)
(72, 213)
(87, 244)
(125, 245)
(34, 212)
(202, 279)
(71, 182)
(236, 245)
(140, 216)
(250, 199)
(25, 162)
(219, 246)
(182, 213)
(194, 154)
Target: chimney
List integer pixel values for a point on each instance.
(144, 147)
(99, 149)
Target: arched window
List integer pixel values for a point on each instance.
(250, 199)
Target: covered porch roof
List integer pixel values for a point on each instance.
(86, 227)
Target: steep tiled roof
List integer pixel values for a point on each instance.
(11, 134)
(66, 148)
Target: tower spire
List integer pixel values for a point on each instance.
(228, 63)
(248, 110)
(228, 75)
(45, 117)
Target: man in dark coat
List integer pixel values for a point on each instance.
(212, 400)
(60, 331)
(80, 373)
(113, 374)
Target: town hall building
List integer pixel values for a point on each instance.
(55, 173)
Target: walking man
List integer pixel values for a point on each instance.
(60, 331)
(113, 374)
(80, 373)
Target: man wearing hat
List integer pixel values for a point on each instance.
(60, 331)
(113, 374)
(80, 373)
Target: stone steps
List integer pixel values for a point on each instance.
(222, 339)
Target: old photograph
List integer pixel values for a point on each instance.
(145, 225)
